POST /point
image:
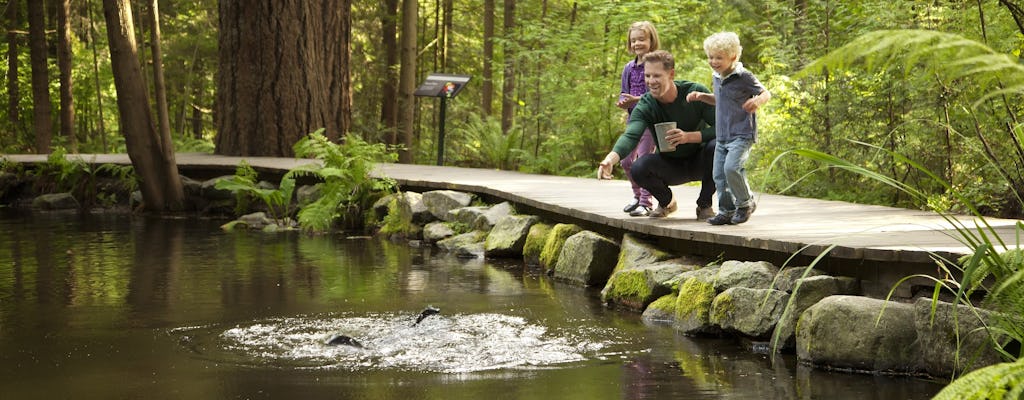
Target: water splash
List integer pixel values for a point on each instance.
(449, 344)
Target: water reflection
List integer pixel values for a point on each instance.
(107, 306)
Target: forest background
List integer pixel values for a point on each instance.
(545, 80)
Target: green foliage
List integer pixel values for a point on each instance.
(82, 179)
(995, 382)
(397, 221)
(244, 183)
(349, 187)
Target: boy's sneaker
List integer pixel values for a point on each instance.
(631, 206)
(640, 211)
(662, 212)
(720, 219)
(704, 213)
(743, 214)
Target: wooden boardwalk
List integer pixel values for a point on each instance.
(873, 242)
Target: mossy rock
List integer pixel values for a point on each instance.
(637, 253)
(508, 237)
(693, 306)
(636, 287)
(535, 241)
(553, 245)
(662, 310)
(750, 312)
(587, 259)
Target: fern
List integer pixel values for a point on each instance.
(349, 187)
(278, 201)
(995, 382)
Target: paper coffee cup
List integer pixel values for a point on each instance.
(660, 129)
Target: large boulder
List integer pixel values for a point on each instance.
(635, 287)
(436, 231)
(587, 259)
(535, 243)
(808, 291)
(751, 312)
(466, 245)
(749, 274)
(440, 202)
(492, 215)
(466, 215)
(209, 189)
(853, 332)
(508, 237)
(955, 338)
(661, 311)
(553, 245)
(787, 277)
(635, 253)
(55, 201)
(693, 305)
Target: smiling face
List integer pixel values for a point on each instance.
(721, 62)
(639, 42)
(659, 81)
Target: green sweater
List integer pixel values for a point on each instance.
(688, 117)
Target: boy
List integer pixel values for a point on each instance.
(737, 96)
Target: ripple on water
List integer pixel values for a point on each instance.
(441, 343)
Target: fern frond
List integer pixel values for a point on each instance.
(1000, 381)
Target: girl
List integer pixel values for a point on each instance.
(642, 39)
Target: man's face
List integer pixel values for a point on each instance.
(658, 79)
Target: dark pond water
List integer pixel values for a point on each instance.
(119, 307)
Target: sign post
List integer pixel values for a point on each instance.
(445, 86)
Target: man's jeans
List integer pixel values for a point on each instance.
(730, 175)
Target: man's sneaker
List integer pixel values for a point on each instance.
(662, 212)
(720, 219)
(704, 213)
(640, 211)
(631, 206)
(743, 214)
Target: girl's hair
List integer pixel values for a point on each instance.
(648, 28)
(724, 42)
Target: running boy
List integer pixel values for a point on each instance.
(737, 96)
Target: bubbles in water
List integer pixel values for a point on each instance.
(440, 343)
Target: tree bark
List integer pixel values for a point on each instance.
(508, 95)
(487, 87)
(96, 73)
(344, 111)
(389, 77)
(13, 91)
(407, 79)
(153, 161)
(280, 74)
(159, 88)
(67, 102)
(41, 108)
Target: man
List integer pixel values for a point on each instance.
(694, 138)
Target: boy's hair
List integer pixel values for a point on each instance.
(661, 56)
(724, 42)
(648, 28)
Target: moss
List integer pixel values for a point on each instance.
(694, 301)
(535, 241)
(629, 287)
(398, 220)
(722, 307)
(666, 303)
(553, 245)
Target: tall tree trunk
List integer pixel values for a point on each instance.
(279, 74)
(41, 108)
(96, 73)
(67, 102)
(154, 162)
(343, 115)
(13, 91)
(508, 95)
(407, 79)
(487, 88)
(159, 88)
(448, 22)
(389, 88)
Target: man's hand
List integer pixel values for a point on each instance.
(604, 169)
(677, 137)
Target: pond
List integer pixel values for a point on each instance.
(116, 306)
